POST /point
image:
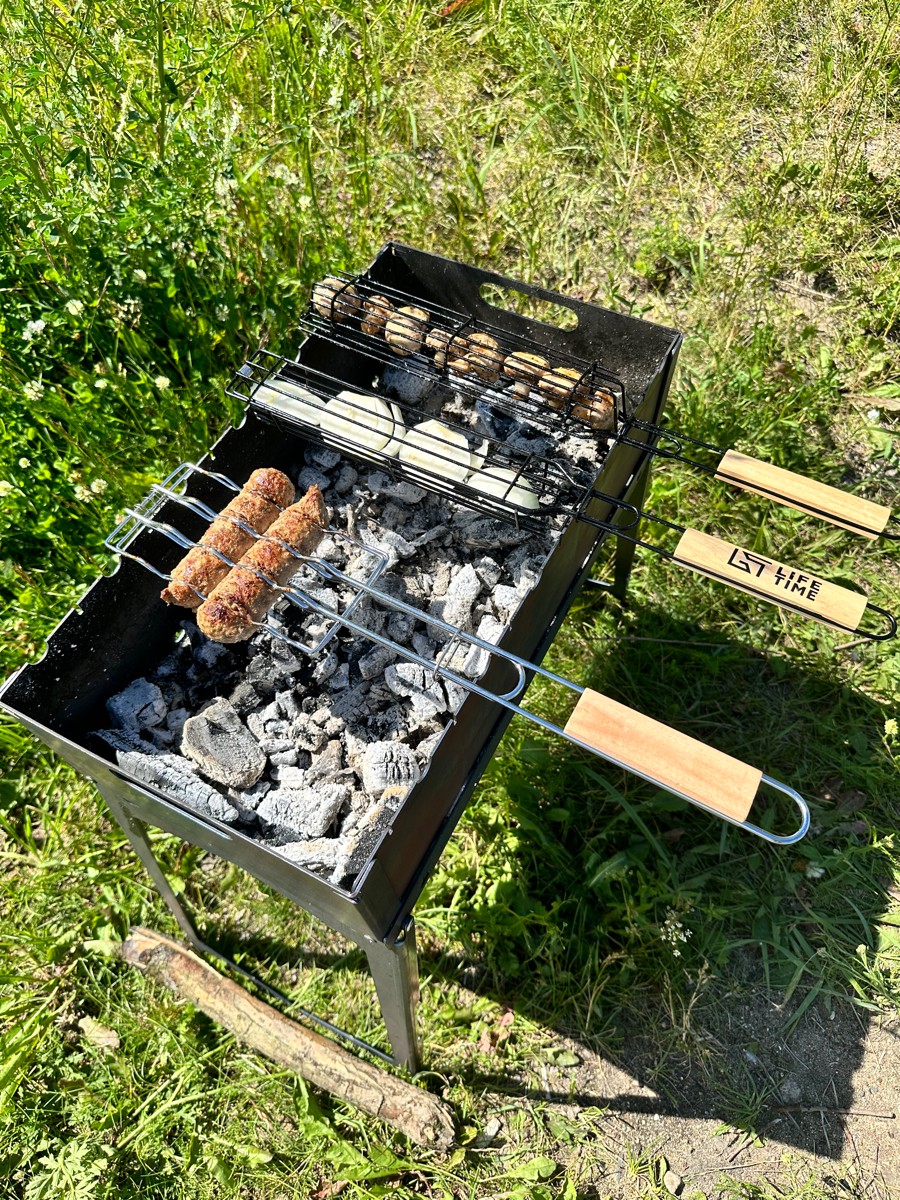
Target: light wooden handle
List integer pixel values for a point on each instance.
(678, 763)
(761, 576)
(808, 495)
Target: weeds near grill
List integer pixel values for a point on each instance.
(168, 201)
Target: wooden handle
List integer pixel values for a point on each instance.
(761, 576)
(673, 760)
(808, 495)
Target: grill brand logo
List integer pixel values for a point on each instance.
(787, 579)
(751, 564)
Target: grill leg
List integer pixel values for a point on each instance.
(395, 970)
(625, 549)
(136, 832)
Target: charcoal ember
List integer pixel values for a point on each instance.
(340, 678)
(390, 543)
(425, 693)
(317, 854)
(313, 477)
(506, 601)
(335, 725)
(275, 745)
(139, 706)
(326, 765)
(345, 480)
(483, 533)
(424, 646)
(489, 572)
(245, 698)
(372, 665)
(400, 627)
(389, 769)
(409, 387)
(350, 703)
(426, 747)
(291, 814)
(305, 734)
(125, 739)
(222, 746)
(175, 776)
(456, 694)
(326, 667)
(175, 719)
(288, 704)
(456, 607)
(357, 845)
(210, 654)
(401, 489)
(250, 798)
(284, 758)
(323, 457)
(289, 776)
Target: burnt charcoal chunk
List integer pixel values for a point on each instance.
(139, 706)
(174, 776)
(291, 814)
(245, 698)
(223, 747)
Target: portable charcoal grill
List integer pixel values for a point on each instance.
(120, 629)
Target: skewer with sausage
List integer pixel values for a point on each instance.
(265, 494)
(239, 604)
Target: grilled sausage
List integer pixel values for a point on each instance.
(259, 502)
(240, 602)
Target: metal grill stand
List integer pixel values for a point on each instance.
(120, 630)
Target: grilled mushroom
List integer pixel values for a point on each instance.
(335, 299)
(485, 356)
(376, 311)
(405, 330)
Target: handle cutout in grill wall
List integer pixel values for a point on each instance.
(527, 305)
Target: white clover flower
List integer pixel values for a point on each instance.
(33, 390)
(162, 382)
(81, 492)
(140, 276)
(222, 311)
(890, 727)
(99, 486)
(75, 307)
(5, 487)
(814, 871)
(24, 463)
(101, 383)
(33, 329)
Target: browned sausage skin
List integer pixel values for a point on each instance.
(258, 504)
(240, 602)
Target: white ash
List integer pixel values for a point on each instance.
(344, 735)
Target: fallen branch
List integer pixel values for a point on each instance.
(422, 1117)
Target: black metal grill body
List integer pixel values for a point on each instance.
(120, 631)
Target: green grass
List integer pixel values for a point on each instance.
(173, 178)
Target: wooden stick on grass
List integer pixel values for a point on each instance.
(424, 1118)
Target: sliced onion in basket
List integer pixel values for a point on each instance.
(505, 483)
(437, 448)
(290, 398)
(364, 421)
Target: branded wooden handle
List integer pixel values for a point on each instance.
(761, 576)
(675, 761)
(808, 495)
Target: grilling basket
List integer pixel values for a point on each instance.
(413, 370)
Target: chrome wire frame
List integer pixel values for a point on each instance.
(523, 669)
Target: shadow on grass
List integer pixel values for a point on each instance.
(709, 967)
